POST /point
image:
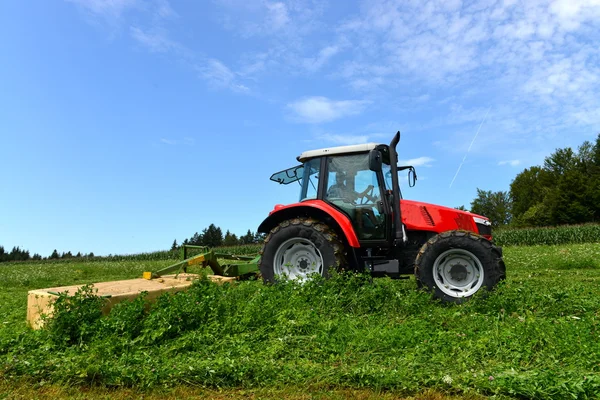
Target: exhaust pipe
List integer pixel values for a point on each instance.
(399, 234)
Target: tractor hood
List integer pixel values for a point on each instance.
(432, 217)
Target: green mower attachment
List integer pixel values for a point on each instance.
(248, 264)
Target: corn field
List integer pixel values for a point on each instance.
(566, 234)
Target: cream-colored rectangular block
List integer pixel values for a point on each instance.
(41, 301)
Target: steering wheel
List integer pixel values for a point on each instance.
(367, 195)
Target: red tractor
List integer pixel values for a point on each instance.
(351, 215)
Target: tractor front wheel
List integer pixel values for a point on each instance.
(298, 248)
(457, 264)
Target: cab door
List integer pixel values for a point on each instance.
(358, 192)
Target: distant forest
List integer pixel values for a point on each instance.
(565, 190)
(212, 236)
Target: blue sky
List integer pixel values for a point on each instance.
(126, 124)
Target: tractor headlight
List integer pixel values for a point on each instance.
(484, 226)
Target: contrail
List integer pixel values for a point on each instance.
(473, 141)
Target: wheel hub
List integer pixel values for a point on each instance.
(303, 264)
(297, 258)
(458, 273)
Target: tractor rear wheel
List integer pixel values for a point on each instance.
(502, 267)
(298, 248)
(455, 265)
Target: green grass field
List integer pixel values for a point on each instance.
(536, 336)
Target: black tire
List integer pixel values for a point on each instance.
(455, 265)
(501, 266)
(300, 245)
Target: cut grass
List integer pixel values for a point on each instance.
(534, 337)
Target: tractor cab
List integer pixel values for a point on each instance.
(356, 180)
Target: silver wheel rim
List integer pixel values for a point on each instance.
(458, 273)
(298, 258)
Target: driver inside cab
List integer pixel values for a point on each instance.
(341, 190)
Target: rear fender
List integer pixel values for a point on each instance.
(317, 209)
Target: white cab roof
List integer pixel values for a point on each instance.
(355, 148)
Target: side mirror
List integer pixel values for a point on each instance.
(412, 177)
(375, 160)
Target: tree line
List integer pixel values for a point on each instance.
(564, 190)
(18, 254)
(212, 236)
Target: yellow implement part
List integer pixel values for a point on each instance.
(196, 260)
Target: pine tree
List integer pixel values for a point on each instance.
(259, 237)
(248, 238)
(212, 236)
(174, 246)
(230, 239)
(196, 240)
(15, 254)
(54, 255)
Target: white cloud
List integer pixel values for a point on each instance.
(418, 162)
(284, 26)
(565, 77)
(437, 42)
(219, 75)
(277, 16)
(164, 10)
(113, 9)
(512, 163)
(318, 109)
(315, 63)
(290, 18)
(156, 42)
(538, 59)
(586, 116)
(108, 8)
(534, 62)
(342, 140)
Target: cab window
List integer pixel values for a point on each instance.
(353, 188)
